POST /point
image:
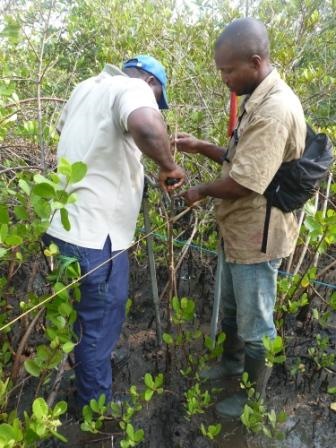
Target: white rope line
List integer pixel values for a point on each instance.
(174, 219)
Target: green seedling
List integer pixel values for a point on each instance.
(321, 354)
(133, 437)
(212, 431)
(274, 350)
(256, 418)
(197, 401)
(41, 424)
(94, 415)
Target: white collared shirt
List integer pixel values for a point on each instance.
(93, 128)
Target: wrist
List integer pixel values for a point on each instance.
(203, 190)
(168, 166)
(201, 146)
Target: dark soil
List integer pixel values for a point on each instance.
(311, 422)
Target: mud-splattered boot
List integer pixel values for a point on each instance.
(232, 361)
(233, 406)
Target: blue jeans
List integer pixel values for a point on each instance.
(248, 299)
(100, 315)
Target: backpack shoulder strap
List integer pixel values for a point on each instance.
(266, 225)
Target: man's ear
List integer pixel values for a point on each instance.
(255, 61)
(150, 80)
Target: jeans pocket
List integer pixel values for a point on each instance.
(103, 287)
(275, 264)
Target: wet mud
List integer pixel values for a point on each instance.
(310, 424)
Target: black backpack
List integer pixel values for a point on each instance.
(296, 181)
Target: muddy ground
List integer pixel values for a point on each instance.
(311, 422)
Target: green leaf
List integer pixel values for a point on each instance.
(215, 429)
(54, 178)
(79, 170)
(87, 413)
(44, 190)
(61, 290)
(13, 240)
(58, 436)
(149, 380)
(116, 409)
(101, 400)
(39, 179)
(2, 252)
(176, 304)
(64, 167)
(148, 394)
(68, 347)
(41, 207)
(203, 430)
(267, 343)
(158, 381)
(72, 198)
(65, 309)
(51, 250)
(20, 212)
(7, 435)
(139, 435)
(209, 343)
(167, 338)
(184, 303)
(32, 368)
(130, 431)
(332, 390)
(4, 216)
(3, 232)
(65, 219)
(282, 417)
(245, 377)
(221, 338)
(40, 408)
(43, 352)
(277, 344)
(94, 405)
(60, 408)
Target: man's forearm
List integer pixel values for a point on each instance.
(157, 148)
(225, 188)
(213, 152)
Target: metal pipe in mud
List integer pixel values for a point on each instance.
(152, 269)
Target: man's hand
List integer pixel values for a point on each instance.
(186, 143)
(177, 173)
(193, 195)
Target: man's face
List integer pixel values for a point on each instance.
(240, 75)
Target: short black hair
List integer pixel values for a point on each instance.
(246, 37)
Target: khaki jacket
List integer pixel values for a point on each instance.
(272, 130)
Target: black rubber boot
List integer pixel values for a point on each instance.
(232, 361)
(233, 406)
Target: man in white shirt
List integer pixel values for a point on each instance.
(108, 122)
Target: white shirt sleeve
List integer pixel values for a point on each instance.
(135, 95)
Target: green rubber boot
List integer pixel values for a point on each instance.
(232, 362)
(233, 406)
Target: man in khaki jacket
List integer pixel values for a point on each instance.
(271, 130)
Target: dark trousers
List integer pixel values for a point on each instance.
(100, 315)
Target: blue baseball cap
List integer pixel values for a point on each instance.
(155, 68)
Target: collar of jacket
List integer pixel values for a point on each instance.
(256, 98)
(113, 70)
